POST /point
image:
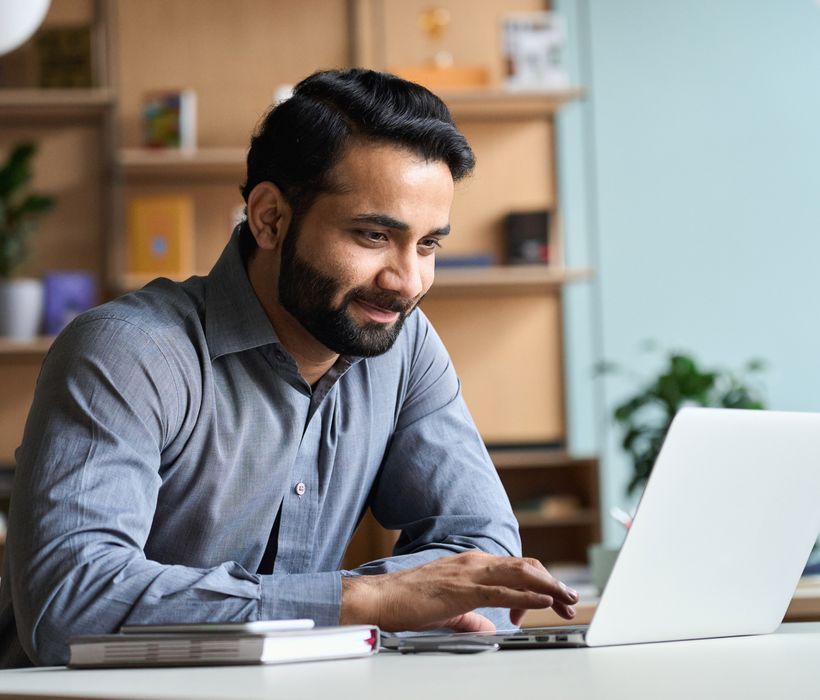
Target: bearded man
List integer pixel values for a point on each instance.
(203, 451)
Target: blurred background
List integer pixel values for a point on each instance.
(641, 230)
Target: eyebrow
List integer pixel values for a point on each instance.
(390, 222)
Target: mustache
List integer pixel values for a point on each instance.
(383, 300)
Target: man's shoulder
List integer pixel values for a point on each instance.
(164, 314)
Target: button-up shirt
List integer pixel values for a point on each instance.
(168, 429)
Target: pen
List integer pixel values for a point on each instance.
(417, 646)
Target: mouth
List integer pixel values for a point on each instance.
(377, 314)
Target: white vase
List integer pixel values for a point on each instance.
(21, 308)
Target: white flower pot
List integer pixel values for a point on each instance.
(21, 308)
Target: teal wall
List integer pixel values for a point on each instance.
(690, 181)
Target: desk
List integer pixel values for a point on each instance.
(779, 665)
(805, 607)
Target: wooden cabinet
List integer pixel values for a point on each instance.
(502, 324)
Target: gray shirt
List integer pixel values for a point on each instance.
(170, 425)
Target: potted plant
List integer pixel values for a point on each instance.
(21, 300)
(645, 417)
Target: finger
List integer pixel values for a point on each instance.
(571, 595)
(563, 610)
(503, 597)
(516, 615)
(521, 574)
(470, 622)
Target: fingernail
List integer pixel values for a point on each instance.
(569, 591)
(571, 610)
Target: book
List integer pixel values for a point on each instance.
(64, 57)
(160, 235)
(469, 260)
(253, 627)
(222, 648)
(169, 119)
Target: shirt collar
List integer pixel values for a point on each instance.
(234, 317)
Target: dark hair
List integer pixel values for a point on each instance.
(300, 140)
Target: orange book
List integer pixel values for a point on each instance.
(161, 235)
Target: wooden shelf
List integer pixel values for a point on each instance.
(504, 279)
(36, 347)
(584, 516)
(537, 459)
(54, 104)
(209, 163)
(498, 103)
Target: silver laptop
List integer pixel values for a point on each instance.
(724, 529)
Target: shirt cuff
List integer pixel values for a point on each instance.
(316, 596)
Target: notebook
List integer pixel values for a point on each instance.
(725, 526)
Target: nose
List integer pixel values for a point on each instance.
(402, 275)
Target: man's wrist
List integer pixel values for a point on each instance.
(360, 601)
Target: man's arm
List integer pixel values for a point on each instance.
(438, 486)
(107, 403)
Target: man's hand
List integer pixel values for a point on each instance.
(445, 592)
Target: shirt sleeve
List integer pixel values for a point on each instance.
(107, 402)
(437, 484)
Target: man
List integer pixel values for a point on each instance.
(204, 451)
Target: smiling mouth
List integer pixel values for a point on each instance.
(376, 313)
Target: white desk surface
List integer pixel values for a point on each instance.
(780, 665)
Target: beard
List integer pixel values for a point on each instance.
(307, 294)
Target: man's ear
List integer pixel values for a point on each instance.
(268, 215)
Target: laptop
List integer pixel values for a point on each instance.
(721, 536)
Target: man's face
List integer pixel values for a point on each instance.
(360, 259)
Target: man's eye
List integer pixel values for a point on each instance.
(373, 236)
(430, 244)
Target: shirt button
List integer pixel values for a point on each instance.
(300, 489)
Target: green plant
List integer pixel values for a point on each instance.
(19, 207)
(645, 417)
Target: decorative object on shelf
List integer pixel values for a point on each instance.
(64, 57)
(645, 417)
(169, 119)
(19, 20)
(160, 235)
(440, 71)
(526, 237)
(533, 42)
(67, 294)
(21, 300)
